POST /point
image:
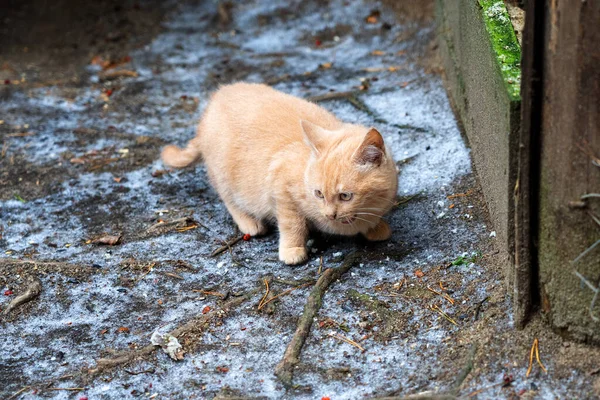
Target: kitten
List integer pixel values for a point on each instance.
(275, 157)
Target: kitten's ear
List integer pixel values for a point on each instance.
(371, 150)
(313, 135)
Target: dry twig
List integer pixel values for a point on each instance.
(226, 246)
(284, 370)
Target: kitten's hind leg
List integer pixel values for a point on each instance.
(381, 231)
(245, 222)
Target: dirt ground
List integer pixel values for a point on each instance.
(90, 95)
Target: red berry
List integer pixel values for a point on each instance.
(325, 398)
(246, 237)
(109, 92)
(7, 81)
(8, 292)
(318, 42)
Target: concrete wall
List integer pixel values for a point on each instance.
(481, 59)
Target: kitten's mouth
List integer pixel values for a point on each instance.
(348, 220)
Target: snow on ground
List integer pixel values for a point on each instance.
(131, 285)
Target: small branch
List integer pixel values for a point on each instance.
(284, 370)
(34, 288)
(226, 246)
(465, 371)
(331, 96)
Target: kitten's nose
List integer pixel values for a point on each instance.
(331, 216)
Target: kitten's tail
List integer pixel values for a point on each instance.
(176, 157)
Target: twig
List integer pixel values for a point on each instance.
(197, 324)
(444, 295)
(320, 266)
(465, 371)
(16, 394)
(453, 196)
(478, 308)
(537, 355)
(146, 371)
(226, 246)
(405, 200)
(349, 341)
(73, 389)
(209, 293)
(180, 223)
(443, 314)
(110, 75)
(34, 288)
(284, 370)
(331, 96)
(262, 304)
(535, 348)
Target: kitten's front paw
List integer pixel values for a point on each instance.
(381, 231)
(293, 255)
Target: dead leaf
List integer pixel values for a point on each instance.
(123, 329)
(378, 53)
(419, 273)
(77, 160)
(110, 240)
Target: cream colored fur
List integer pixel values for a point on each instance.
(267, 153)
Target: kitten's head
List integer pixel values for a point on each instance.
(350, 179)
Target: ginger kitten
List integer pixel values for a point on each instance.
(275, 157)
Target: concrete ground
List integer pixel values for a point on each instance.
(90, 96)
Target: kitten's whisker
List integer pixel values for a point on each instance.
(368, 213)
(362, 219)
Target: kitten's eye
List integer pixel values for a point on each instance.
(319, 194)
(346, 196)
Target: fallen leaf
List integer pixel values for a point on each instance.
(77, 160)
(205, 310)
(326, 65)
(123, 329)
(103, 331)
(419, 273)
(110, 240)
(159, 172)
(373, 17)
(118, 180)
(8, 292)
(222, 370)
(378, 53)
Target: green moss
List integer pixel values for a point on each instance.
(504, 42)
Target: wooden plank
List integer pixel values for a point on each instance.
(570, 137)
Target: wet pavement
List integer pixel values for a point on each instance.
(80, 160)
